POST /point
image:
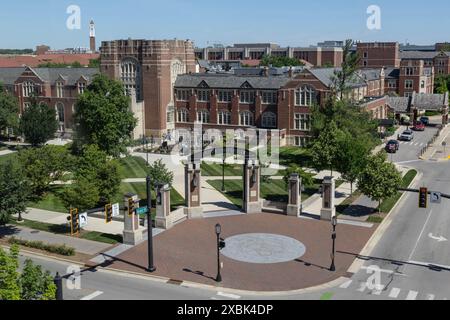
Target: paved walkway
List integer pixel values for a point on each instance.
(438, 152)
(80, 245)
(57, 218)
(6, 152)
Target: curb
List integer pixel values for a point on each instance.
(373, 241)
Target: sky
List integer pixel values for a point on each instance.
(25, 24)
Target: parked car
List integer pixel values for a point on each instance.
(392, 146)
(419, 126)
(425, 120)
(407, 135)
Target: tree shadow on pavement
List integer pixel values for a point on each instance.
(199, 273)
(431, 267)
(309, 264)
(8, 230)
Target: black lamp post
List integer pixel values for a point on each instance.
(218, 231)
(333, 237)
(151, 267)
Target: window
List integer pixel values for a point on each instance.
(130, 75)
(392, 84)
(301, 141)
(225, 96)
(366, 55)
(422, 84)
(247, 97)
(203, 116)
(365, 63)
(269, 120)
(81, 87)
(182, 116)
(224, 117)
(203, 95)
(409, 71)
(59, 90)
(305, 96)
(60, 112)
(26, 105)
(183, 95)
(28, 88)
(269, 97)
(409, 84)
(408, 94)
(302, 122)
(246, 119)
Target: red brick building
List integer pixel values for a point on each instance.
(56, 87)
(379, 54)
(149, 68)
(280, 102)
(415, 77)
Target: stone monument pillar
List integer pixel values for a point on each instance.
(328, 194)
(132, 233)
(192, 185)
(163, 207)
(295, 199)
(251, 193)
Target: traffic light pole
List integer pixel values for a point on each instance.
(446, 196)
(151, 267)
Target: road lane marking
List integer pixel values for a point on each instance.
(378, 292)
(412, 295)
(346, 284)
(228, 295)
(431, 296)
(385, 271)
(420, 236)
(394, 293)
(92, 295)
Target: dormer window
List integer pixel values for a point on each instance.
(81, 87)
(59, 89)
(28, 88)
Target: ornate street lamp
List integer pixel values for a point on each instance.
(218, 232)
(333, 237)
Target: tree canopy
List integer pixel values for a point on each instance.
(103, 117)
(9, 110)
(38, 123)
(279, 62)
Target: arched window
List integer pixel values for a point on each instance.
(224, 117)
(305, 96)
(130, 75)
(203, 116)
(28, 88)
(59, 89)
(60, 112)
(246, 119)
(269, 120)
(182, 116)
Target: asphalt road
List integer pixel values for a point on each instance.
(412, 259)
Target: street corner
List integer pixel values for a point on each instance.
(261, 253)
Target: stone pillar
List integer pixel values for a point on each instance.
(328, 194)
(192, 185)
(132, 233)
(163, 207)
(295, 199)
(252, 176)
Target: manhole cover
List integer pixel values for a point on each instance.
(263, 248)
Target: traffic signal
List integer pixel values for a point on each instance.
(423, 198)
(131, 206)
(108, 213)
(74, 222)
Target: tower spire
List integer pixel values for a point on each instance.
(92, 36)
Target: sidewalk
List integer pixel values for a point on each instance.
(80, 245)
(437, 152)
(6, 152)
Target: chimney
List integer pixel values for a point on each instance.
(291, 72)
(266, 71)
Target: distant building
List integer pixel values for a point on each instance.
(379, 54)
(42, 49)
(92, 45)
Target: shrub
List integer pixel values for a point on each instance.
(52, 248)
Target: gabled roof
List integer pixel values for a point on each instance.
(430, 101)
(230, 81)
(51, 75)
(326, 75)
(422, 55)
(10, 75)
(399, 104)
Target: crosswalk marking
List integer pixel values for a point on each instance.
(228, 295)
(394, 293)
(412, 295)
(93, 295)
(346, 284)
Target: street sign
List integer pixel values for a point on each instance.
(115, 210)
(83, 220)
(436, 197)
(141, 210)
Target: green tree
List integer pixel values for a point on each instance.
(325, 148)
(103, 117)
(9, 263)
(344, 75)
(36, 284)
(38, 123)
(44, 165)
(82, 194)
(94, 63)
(442, 84)
(159, 173)
(307, 178)
(380, 179)
(279, 62)
(94, 165)
(14, 191)
(9, 110)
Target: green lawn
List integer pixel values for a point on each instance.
(275, 190)
(215, 170)
(51, 201)
(5, 158)
(132, 167)
(388, 204)
(295, 155)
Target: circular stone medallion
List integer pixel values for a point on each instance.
(263, 248)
